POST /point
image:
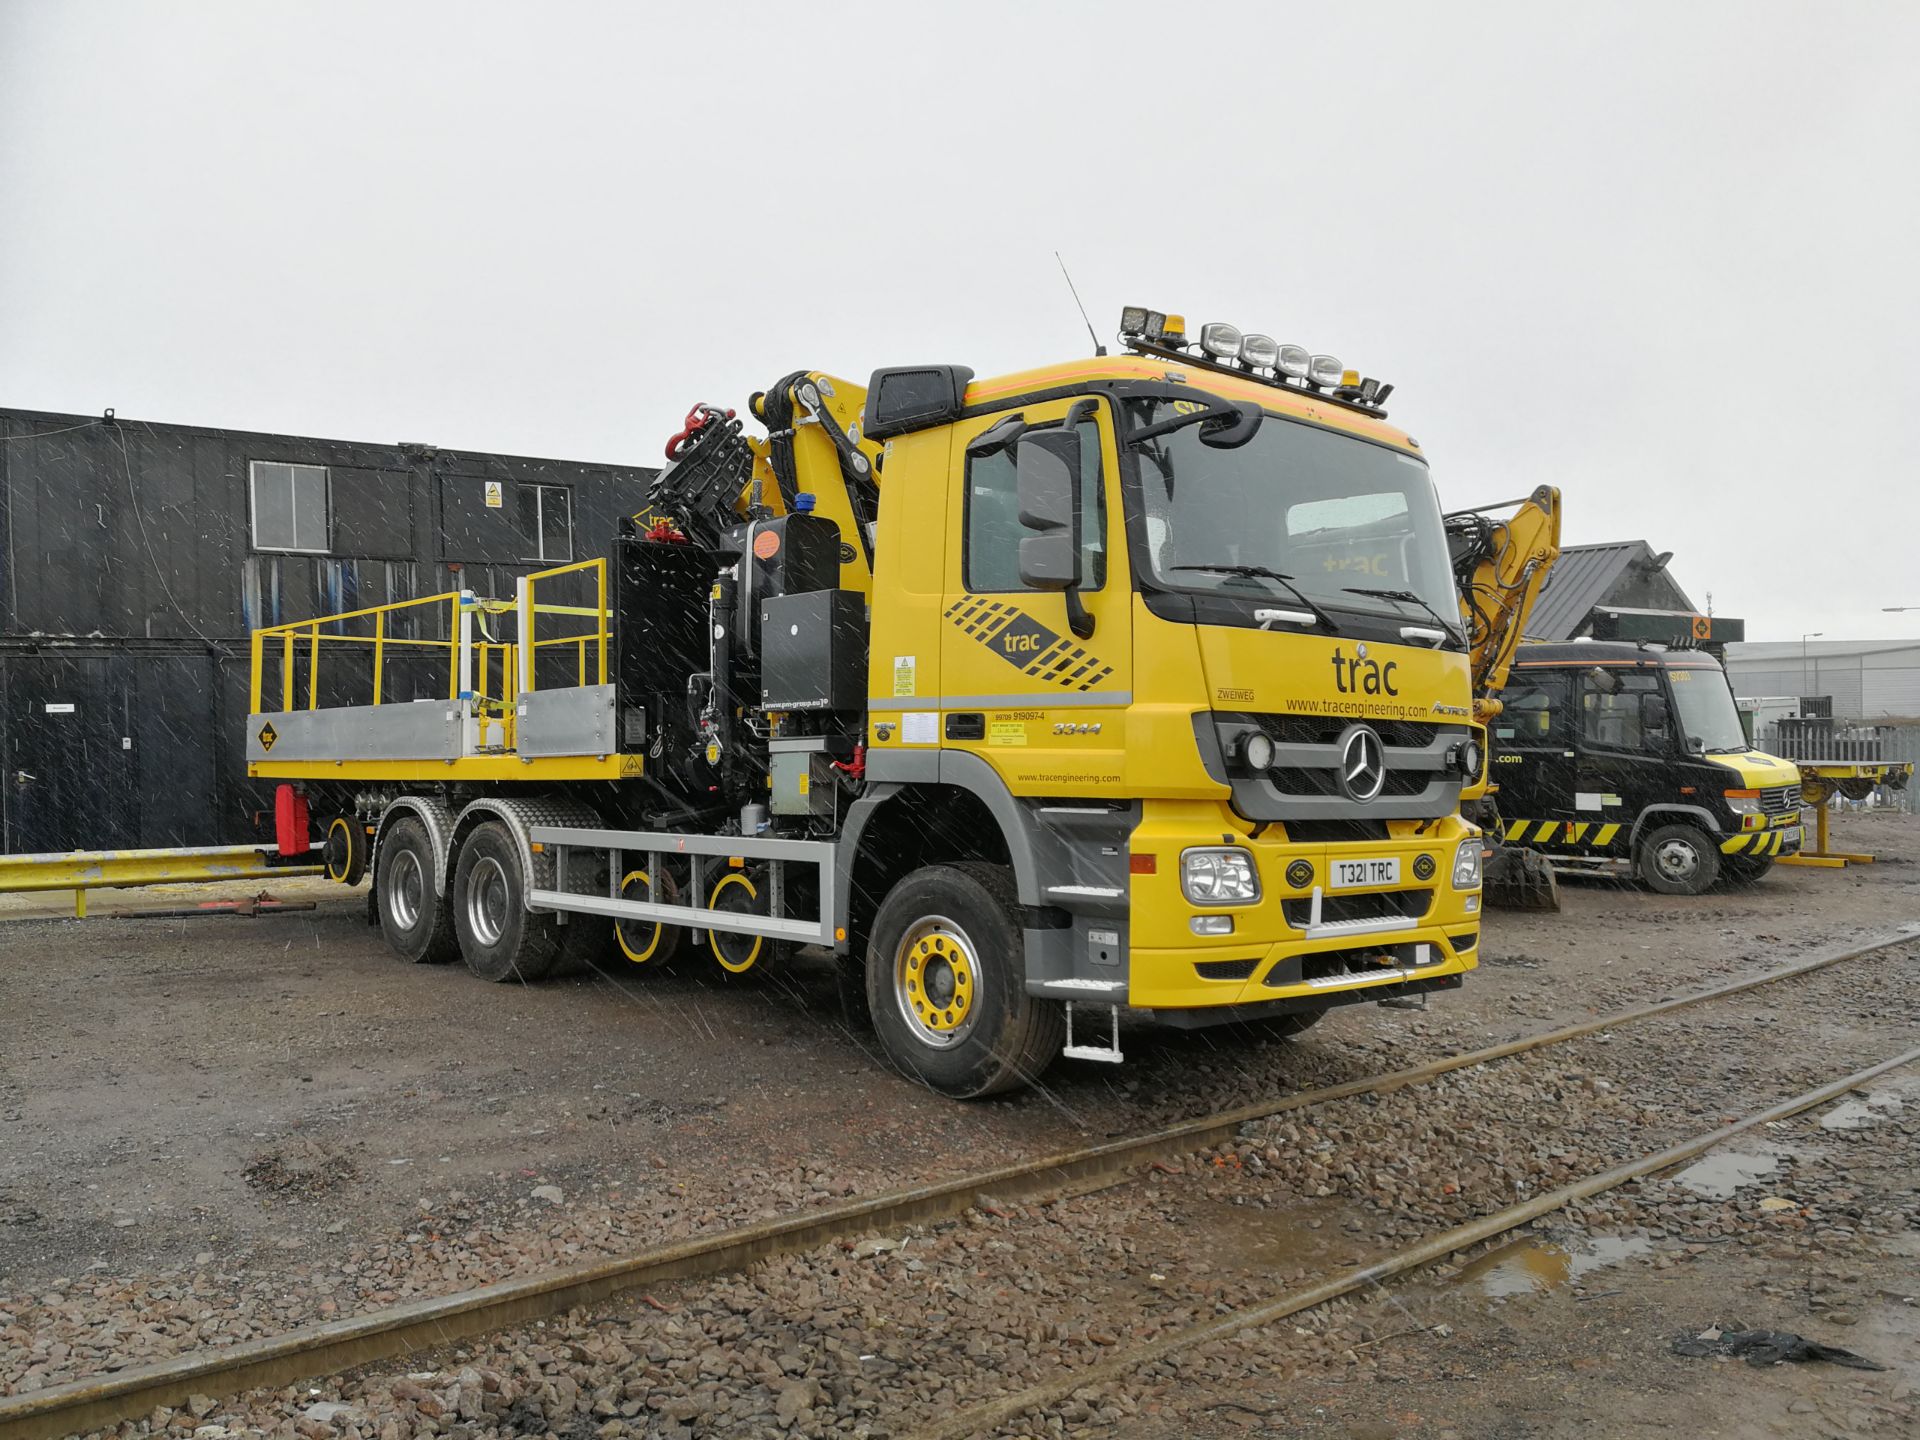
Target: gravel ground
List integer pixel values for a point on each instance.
(313, 1218)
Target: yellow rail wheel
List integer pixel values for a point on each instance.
(639, 941)
(345, 851)
(736, 893)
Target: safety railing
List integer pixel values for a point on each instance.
(590, 644)
(481, 653)
(295, 640)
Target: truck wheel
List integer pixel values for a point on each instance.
(415, 921)
(642, 942)
(737, 893)
(500, 939)
(946, 983)
(1745, 869)
(1678, 860)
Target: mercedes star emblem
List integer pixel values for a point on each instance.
(1363, 764)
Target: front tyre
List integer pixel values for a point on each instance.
(1678, 860)
(946, 983)
(500, 939)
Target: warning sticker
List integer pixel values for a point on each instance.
(268, 735)
(632, 765)
(903, 675)
(1007, 732)
(496, 495)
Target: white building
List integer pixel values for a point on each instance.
(1868, 679)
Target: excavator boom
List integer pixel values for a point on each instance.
(1500, 566)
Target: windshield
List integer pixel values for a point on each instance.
(1709, 721)
(1330, 512)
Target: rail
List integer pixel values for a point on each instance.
(434, 1322)
(84, 870)
(531, 609)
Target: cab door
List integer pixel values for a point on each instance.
(1626, 761)
(1044, 706)
(1533, 757)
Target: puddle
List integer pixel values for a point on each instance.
(1536, 1267)
(1720, 1175)
(1245, 1237)
(1859, 1114)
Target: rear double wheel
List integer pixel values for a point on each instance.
(414, 916)
(946, 983)
(500, 939)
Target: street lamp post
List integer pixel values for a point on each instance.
(1810, 635)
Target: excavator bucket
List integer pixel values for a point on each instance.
(1519, 879)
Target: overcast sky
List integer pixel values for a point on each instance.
(1662, 256)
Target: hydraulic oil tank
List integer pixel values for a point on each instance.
(791, 555)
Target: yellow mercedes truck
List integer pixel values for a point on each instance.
(1135, 684)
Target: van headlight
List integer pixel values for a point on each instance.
(1742, 802)
(1466, 864)
(1218, 876)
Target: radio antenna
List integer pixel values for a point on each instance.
(1098, 348)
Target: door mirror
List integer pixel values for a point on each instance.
(1048, 466)
(1655, 717)
(1605, 681)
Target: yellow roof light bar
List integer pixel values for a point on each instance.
(1234, 351)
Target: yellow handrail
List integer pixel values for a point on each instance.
(597, 637)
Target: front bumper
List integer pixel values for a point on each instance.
(1369, 940)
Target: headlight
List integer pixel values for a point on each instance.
(1219, 877)
(1220, 340)
(1743, 802)
(1466, 864)
(1327, 371)
(1259, 350)
(1256, 750)
(1466, 758)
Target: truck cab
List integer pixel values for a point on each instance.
(1613, 755)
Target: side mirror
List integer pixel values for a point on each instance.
(1048, 465)
(1605, 681)
(1654, 716)
(1236, 432)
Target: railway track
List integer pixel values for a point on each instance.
(341, 1345)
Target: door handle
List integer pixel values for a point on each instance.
(21, 777)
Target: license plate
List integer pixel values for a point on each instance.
(1790, 836)
(1349, 873)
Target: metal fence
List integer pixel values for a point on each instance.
(1840, 742)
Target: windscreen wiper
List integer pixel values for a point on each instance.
(1261, 572)
(1406, 597)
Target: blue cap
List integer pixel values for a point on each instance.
(803, 502)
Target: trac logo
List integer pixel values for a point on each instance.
(1360, 676)
(1027, 645)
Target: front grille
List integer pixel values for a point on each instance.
(1383, 905)
(1335, 832)
(1779, 799)
(1299, 780)
(1327, 729)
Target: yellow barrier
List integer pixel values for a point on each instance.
(312, 632)
(84, 870)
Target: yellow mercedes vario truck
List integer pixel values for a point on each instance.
(1131, 685)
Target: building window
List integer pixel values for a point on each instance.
(546, 519)
(289, 507)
